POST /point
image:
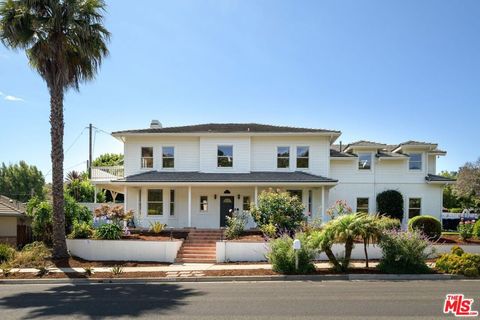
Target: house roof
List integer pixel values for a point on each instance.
(436, 178)
(276, 177)
(7, 210)
(228, 128)
(388, 154)
(365, 143)
(337, 154)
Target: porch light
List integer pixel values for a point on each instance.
(238, 197)
(215, 196)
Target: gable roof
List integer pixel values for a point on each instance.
(437, 178)
(258, 176)
(228, 128)
(337, 154)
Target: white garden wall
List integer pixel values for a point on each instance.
(124, 250)
(233, 251)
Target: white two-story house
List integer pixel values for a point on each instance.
(194, 176)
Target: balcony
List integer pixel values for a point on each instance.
(107, 173)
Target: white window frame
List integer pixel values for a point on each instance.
(410, 161)
(298, 157)
(172, 204)
(249, 203)
(368, 204)
(359, 154)
(161, 202)
(168, 168)
(142, 157)
(415, 208)
(201, 205)
(233, 158)
(288, 158)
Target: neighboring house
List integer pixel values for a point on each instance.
(193, 176)
(14, 223)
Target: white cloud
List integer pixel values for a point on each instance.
(1, 93)
(13, 98)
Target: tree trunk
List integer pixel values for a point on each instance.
(56, 133)
(348, 254)
(366, 252)
(333, 259)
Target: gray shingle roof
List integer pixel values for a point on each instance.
(436, 178)
(289, 177)
(365, 143)
(388, 154)
(9, 211)
(337, 154)
(229, 128)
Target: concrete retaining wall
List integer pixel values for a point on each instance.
(124, 250)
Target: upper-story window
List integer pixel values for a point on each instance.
(364, 161)
(302, 157)
(168, 157)
(225, 156)
(283, 157)
(415, 161)
(147, 157)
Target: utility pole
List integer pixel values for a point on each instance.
(90, 151)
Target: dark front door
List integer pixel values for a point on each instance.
(226, 209)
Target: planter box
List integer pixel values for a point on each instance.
(237, 251)
(124, 250)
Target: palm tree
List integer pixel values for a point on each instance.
(65, 43)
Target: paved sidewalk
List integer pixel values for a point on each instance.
(183, 268)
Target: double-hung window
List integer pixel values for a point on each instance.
(172, 202)
(146, 157)
(414, 207)
(225, 156)
(168, 157)
(415, 161)
(364, 161)
(302, 157)
(362, 205)
(246, 203)
(283, 157)
(155, 202)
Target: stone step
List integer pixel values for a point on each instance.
(196, 256)
(198, 250)
(199, 244)
(190, 260)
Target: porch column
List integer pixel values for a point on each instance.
(255, 198)
(125, 207)
(323, 204)
(94, 194)
(189, 206)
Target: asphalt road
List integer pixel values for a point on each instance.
(240, 300)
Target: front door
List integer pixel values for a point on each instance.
(226, 209)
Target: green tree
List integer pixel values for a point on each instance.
(390, 203)
(468, 183)
(65, 42)
(21, 181)
(108, 160)
(450, 198)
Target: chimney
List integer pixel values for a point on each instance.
(340, 146)
(155, 124)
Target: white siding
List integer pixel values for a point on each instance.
(186, 153)
(241, 154)
(264, 153)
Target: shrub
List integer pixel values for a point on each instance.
(6, 252)
(108, 231)
(157, 227)
(459, 262)
(339, 208)
(81, 230)
(116, 214)
(282, 255)
(476, 229)
(385, 223)
(235, 225)
(33, 255)
(404, 252)
(280, 209)
(269, 230)
(430, 226)
(465, 229)
(390, 203)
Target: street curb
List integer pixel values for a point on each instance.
(333, 277)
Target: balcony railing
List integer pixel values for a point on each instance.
(107, 173)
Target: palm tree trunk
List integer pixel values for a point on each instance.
(333, 259)
(56, 133)
(366, 252)
(348, 254)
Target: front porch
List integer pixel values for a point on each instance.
(204, 200)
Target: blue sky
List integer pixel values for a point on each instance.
(381, 70)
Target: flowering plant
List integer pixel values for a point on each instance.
(338, 209)
(465, 229)
(116, 214)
